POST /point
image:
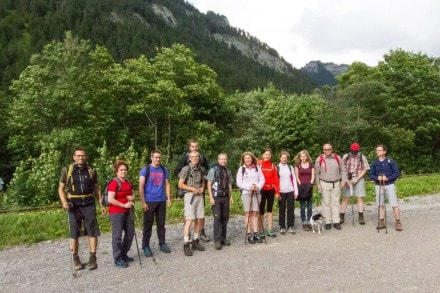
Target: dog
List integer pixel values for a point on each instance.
(317, 222)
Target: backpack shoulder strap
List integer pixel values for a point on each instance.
(129, 182)
(163, 171)
(147, 173)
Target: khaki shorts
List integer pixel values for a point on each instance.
(195, 209)
(358, 189)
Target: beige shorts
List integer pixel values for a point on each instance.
(251, 204)
(194, 207)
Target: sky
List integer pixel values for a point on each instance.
(338, 31)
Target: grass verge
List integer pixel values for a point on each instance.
(36, 226)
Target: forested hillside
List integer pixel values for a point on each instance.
(78, 91)
(130, 28)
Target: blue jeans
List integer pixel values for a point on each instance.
(303, 204)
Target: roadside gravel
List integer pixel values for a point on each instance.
(355, 259)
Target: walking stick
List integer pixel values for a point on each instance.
(133, 211)
(350, 186)
(139, 221)
(384, 206)
(248, 220)
(260, 219)
(378, 206)
(74, 275)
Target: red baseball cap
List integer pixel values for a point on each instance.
(355, 147)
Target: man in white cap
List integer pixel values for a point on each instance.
(357, 166)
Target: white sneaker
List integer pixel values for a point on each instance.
(291, 231)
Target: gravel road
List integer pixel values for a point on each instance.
(355, 259)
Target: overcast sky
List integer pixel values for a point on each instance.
(339, 31)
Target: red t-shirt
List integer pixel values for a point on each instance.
(120, 196)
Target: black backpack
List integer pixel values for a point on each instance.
(104, 200)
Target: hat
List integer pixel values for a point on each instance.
(355, 147)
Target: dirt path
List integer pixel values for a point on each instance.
(355, 259)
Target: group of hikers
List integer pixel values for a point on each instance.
(260, 181)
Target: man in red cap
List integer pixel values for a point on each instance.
(357, 166)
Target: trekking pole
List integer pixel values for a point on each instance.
(248, 220)
(133, 211)
(350, 177)
(74, 275)
(378, 206)
(139, 221)
(260, 219)
(384, 206)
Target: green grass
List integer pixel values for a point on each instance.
(36, 226)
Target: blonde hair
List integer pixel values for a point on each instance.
(254, 159)
(298, 156)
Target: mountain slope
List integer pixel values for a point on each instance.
(134, 27)
(323, 73)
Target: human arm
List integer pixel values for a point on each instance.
(295, 186)
(168, 192)
(373, 175)
(297, 175)
(62, 195)
(211, 196)
(141, 189)
(317, 172)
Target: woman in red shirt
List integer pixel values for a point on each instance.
(271, 189)
(121, 200)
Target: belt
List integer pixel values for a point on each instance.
(70, 196)
(330, 181)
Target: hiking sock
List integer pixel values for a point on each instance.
(196, 235)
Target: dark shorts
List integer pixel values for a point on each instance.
(269, 196)
(79, 215)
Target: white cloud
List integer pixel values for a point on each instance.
(339, 31)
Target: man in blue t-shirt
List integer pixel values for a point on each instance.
(155, 195)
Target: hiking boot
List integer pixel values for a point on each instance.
(196, 245)
(361, 219)
(187, 249)
(258, 238)
(271, 234)
(337, 226)
(147, 251)
(92, 262)
(328, 226)
(203, 236)
(341, 217)
(226, 242)
(306, 227)
(127, 259)
(120, 263)
(218, 245)
(398, 225)
(77, 265)
(283, 231)
(251, 239)
(164, 248)
(381, 224)
(290, 230)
